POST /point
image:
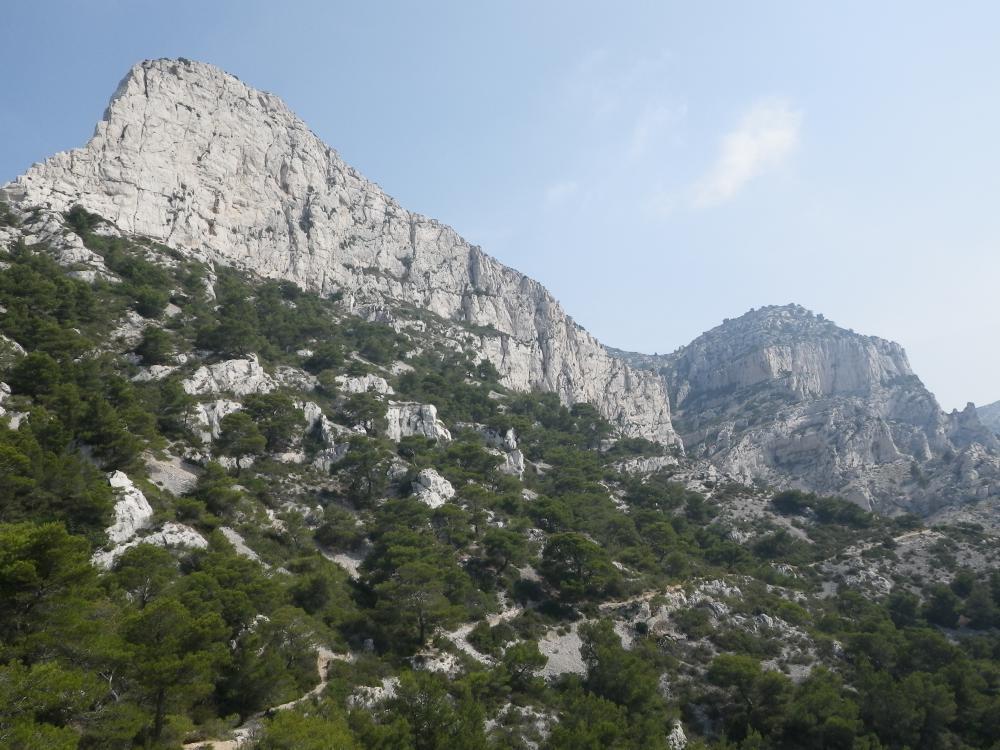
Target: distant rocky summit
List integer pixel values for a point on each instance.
(783, 395)
(989, 415)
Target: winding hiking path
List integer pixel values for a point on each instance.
(244, 732)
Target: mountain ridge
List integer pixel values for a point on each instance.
(785, 395)
(196, 159)
(193, 157)
(240, 513)
(989, 415)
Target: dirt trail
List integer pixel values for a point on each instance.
(245, 731)
(460, 636)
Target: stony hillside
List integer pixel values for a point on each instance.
(258, 491)
(197, 160)
(236, 515)
(785, 396)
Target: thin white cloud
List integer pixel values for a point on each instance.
(604, 85)
(767, 134)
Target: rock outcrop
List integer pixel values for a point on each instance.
(171, 535)
(10, 351)
(989, 416)
(786, 396)
(502, 444)
(432, 489)
(196, 159)
(207, 417)
(12, 418)
(240, 377)
(406, 418)
(132, 510)
(332, 437)
(133, 513)
(363, 384)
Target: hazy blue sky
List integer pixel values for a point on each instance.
(659, 166)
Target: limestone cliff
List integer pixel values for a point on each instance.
(196, 159)
(989, 415)
(786, 396)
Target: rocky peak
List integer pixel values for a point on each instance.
(989, 415)
(785, 395)
(196, 159)
(789, 348)
(968, 427)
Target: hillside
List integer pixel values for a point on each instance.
(254, 496)
(192, 157)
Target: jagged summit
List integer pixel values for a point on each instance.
(989, 415)
(194, 158)
(785, 395)
(790, 347)
(776, 323)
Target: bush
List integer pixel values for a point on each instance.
(156, 347)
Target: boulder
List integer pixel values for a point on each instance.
(132, 510)
(238, 377)
(364, 384)
(170, 536)
(432, 489)
(404, 419)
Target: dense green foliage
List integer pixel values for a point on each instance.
(185, 643)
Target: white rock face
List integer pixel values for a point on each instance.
(784, 395)
(677, 740)
(432, 489)
(989, 415)
(292, 377)
(208, 417)
(48, 227)
(806, 355)
(363, 384)
(407, 418)
(129, 329)
(132, 510)
(646, 464)
(315, 419)
(501, 444)
(239, 544)
(196, 159)
(513, 463)
(505, 441)
(239, 377)
(506, 444)
(177, 535)
(328, 432)
(170, 536)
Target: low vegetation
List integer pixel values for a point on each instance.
(438, 637)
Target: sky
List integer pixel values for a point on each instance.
(659, 166)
